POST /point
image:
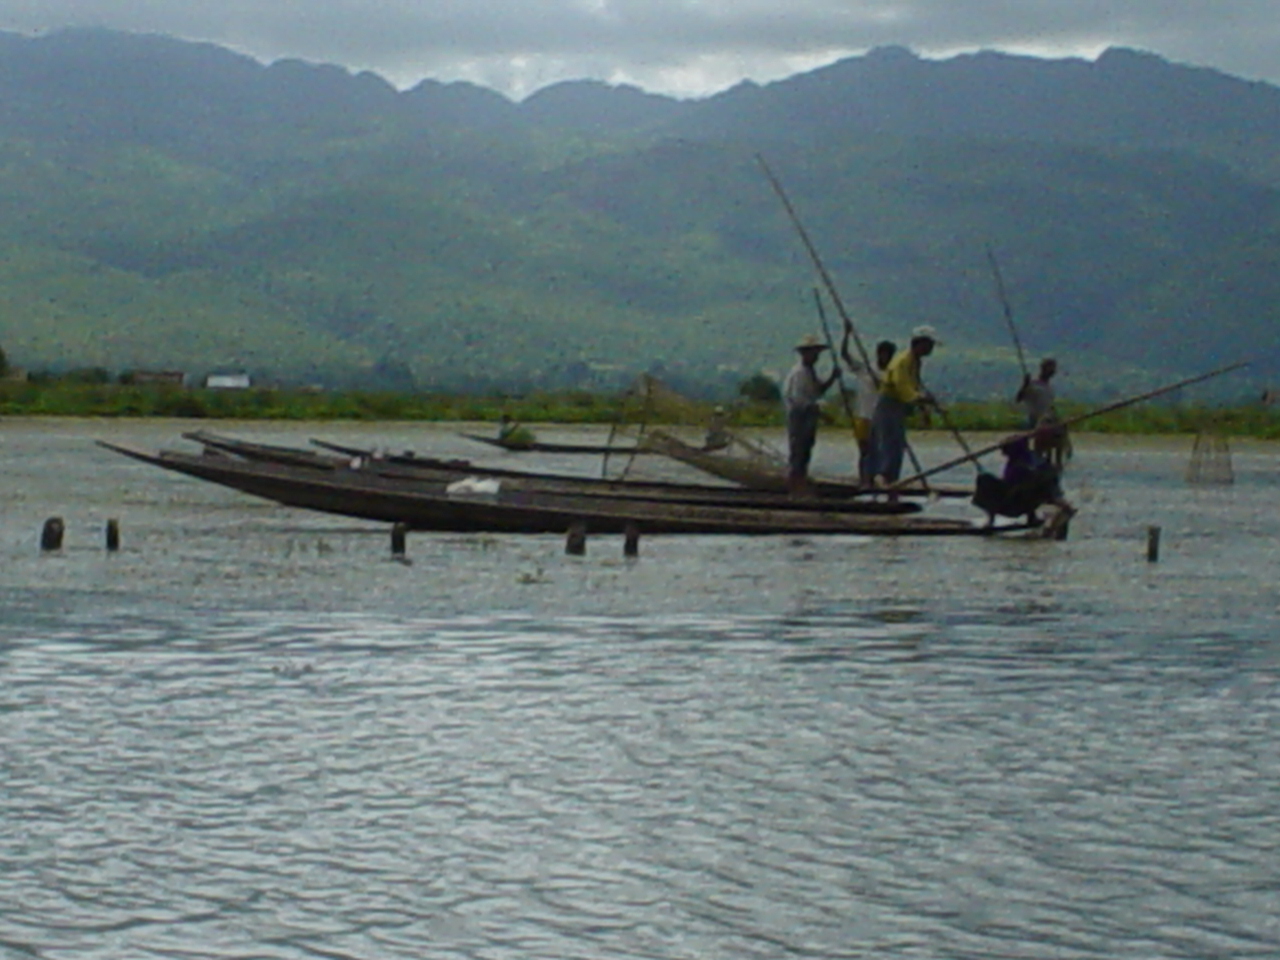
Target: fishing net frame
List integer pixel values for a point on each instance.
(1210, 461)
(650, 409)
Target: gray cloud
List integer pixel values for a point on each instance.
(684, 47)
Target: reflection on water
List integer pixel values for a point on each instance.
(252, 734)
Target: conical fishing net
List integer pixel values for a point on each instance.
(1210, 459)
(670, 436)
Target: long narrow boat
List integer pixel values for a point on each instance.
(550, 446)
(435, 474)
(371, 496)
(755, 476)
(268, 452)
(753, 480)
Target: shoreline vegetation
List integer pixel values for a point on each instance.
(61, 399)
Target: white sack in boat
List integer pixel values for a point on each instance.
(474, 487)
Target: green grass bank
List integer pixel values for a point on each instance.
(112, 400)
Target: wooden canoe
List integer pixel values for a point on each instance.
(550, 446)
(755, 476)
(371, 496)
(437, 473)
(824, 489)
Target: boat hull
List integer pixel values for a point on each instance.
(435, 472)
(356, 493)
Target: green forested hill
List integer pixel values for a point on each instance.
(175, 205)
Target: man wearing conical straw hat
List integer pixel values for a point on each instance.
(800, 394)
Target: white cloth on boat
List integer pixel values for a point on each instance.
(474, 487)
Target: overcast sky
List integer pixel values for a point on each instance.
(678, 47)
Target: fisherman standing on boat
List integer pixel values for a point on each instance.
(1037, 397)
(868, 395)
(900, 391)
(800, 394)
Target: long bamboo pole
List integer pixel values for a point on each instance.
(1008, 311)
(818, 264)
(827, 282)
(835, 359)
(955, 432)
(1071, 421)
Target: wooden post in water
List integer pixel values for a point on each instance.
(113, 535)
(1153, 544)
(575, 543)
(51, 534)
(399, 533)
(631, 541)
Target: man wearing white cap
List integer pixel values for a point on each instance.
(800, 394)
(900, 390)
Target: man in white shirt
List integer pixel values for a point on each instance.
(1037, 395)
(868, 394)
(1037, 398)
(800, 395)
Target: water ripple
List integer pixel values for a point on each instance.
(254, 737)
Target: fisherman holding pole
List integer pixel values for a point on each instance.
(1037, 398)
(868, 396)
(800, 395)
(973, 455)
(901, 390)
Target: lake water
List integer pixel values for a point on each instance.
(251, 733)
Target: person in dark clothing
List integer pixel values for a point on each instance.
(1028, 482)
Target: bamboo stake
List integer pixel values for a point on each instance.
(1071, 421)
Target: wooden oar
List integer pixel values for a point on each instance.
(1071, 421)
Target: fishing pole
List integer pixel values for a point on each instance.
(955, 432)
(826, 332)
(1071, 421)
(1008, 312)
(828, 283)
(817, 263)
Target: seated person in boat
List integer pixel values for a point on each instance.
(1028, 482)
(513, 434)
(717, 431)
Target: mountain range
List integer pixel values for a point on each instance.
(168, 204)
